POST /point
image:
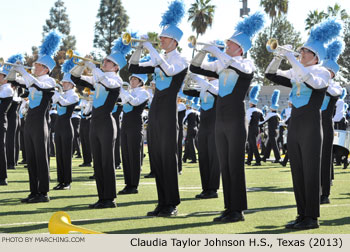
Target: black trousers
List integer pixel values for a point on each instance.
(17, 140)
(131, 140)
(230, 144)
(12, 121)
(272, 144)
(36, 135)
(85, 141)
(190, 143)
(64, 146)
(3, 160)
(208, 159)
(327, 157)
(21, 139)
(102, 141)
(76, 139)
(304, 149)
(117, 142)
(253, 148)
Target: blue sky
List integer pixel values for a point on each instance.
(22, 20)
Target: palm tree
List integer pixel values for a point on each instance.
(337, 11)
(201, 14)
(274, 8)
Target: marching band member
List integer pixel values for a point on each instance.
(116, 115)
(41, 87)
(309, 81)
(254, 116)
(66, 103)
(6, 94)
(287, 114)
(86, 107)
(106, 84)
(181, 112)
(235, 74)
(339, 117)
(131, 131)
(170, 70)
(76, 118)
(273, 119)
(333, 92)
(22, 115)
(53, 117)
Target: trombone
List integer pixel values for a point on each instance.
(272, 46)
(3, 63)
(193, 43)
(70, 54)
(127, 39)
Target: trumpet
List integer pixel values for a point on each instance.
(3, 63)
(127, 39)
(190, 84)
(272, 46)
(70, 54)
(193, 43)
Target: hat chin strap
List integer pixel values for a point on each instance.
(309, 63)
(170, 45)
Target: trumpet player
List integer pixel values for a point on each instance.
(134, 103)
(170, 70)
(41, 87)
(86, 107)
(106, 85)
(66, 102)
(235, 75)
(334, 91)
(309, 81)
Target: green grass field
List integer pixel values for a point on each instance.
(270, 201)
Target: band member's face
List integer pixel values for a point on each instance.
(109, 66)
(167, 44)
(40, 69)
(332, 74)
(67, 85)
(233, 49)
(307, 57)
(135, 82)
(2, 79)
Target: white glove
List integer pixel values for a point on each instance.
(98, 74)
(19, 69)
(11, 76)
(77, 71)
(90, 65)
(147, 45)
(144, 37)
(283, 52)
(56, 97)
(223, 58)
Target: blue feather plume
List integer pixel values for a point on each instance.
(334, 49)
(50, 44)
(67, 65)
(254, 92)
(275, 97)
(251, 24)
(119, 47)
(15, 58)
(174, 14)
(343, 94)
(326, 31)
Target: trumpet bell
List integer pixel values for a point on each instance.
(60, 223)
(271, 45)
(126, 38)
(70, 54)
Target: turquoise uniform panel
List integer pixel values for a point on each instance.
(162, 81)
(35, 98)
(127, 108)
(227, 82)
(115, 109)
(207, 101)
(302, 96)
(100, 96)
(325, 102)
(61, 110)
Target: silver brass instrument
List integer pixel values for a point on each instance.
(190, 84)
(127, 39)
(70, 54)
(193, 43)
(3, 63)
(272, 46)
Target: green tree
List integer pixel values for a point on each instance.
(59, 21)
(113, 21)
(285, 33)
(201, 14)
(344, 59)
(274, 8)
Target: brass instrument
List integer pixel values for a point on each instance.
(3, 63)
(190, 84)
(70, 54)
(272, 46)
(127, 39)
(193, 43)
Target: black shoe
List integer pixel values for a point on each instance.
(30, 196)
(22, 162)
(52, 155)
(257, 164)
(263, 159)
(95, 204)
(78, 156)
(184, 160)
(277, 161)
(106, 204)
(291, 224)
(156, 211)
(193, 162)
(233, 216)
(324, 199)
(92, 177)
(128, 190)
(3, 182)
(223, 215)
(66, 186)
(58, 187)
(307, 223)
(118, 167)
(248, 163)
(85, 165)
(210, 194)
(26, 166)
(39, 198)
(180, 172)
(11, 167)
(283, 164)
(150, 175)
(168, 211)
(345, 165)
